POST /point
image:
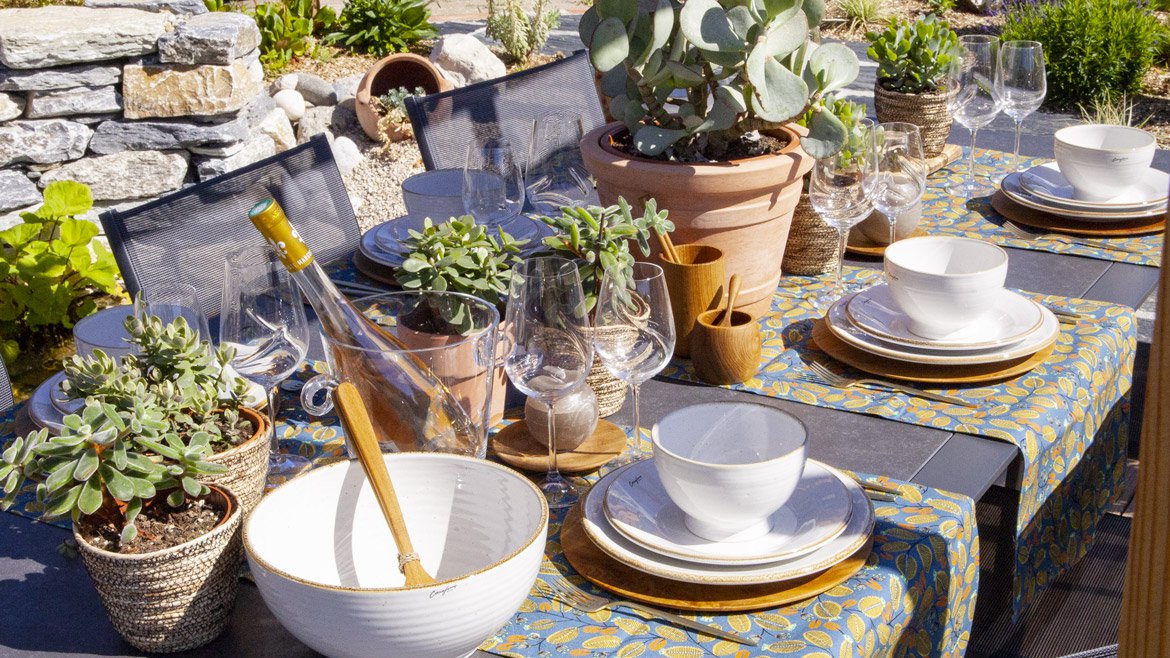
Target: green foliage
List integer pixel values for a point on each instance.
(51, 269)
(1092, 48)
(850, 115)
(394, 103)
(863, 14)
(1112, 112)
(914, 57)
(941, 6)
(218, 5)
(147, 428)
(290, 29)
(381, 27)
(740, 67)
(522, 34)
(460, 256)
(598, 239)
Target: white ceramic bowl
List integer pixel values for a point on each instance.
(1103, 161)
(437, 194)
(943, 283)
(729, 465)
(326, 565)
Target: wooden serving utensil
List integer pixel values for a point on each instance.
(732, 293)
(666, 246)
(357, 425)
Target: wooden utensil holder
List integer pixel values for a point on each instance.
(726, 355)
(695, 285)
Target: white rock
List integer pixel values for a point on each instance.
(347, 87)
(17, 191)
(277, 126)
(66, 102)
(48, 36)
(43, 142)
(11, 106)
(252, 61)
(346, 154)
(125, 175)
(10, 219)
(464, 59)
(218, 151)
(315, 89)
(256, 149)
(286, 81)
(213, 38)
(291, 101)
(315, 121)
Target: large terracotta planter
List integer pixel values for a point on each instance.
(742, 207)
(390, 72)
(247, 463)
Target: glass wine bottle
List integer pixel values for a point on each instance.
(411, 408)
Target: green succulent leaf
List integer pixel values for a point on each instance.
(623, 10)
(785, 36)
(834, 65)
(825, 137)
(706, 24)
(610, 46)
(652, 140)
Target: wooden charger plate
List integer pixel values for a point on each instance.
(1036, 219)
(375, 271)
(920, 372)
(627, 582)
(860, 245)
(515, 446)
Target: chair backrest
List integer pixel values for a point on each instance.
(186, 236)
(6, 399)
(503, 109)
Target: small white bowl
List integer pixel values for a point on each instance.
(1103, 161)
(729, 465)
(437, 194)
(327, 568)
(943, 284)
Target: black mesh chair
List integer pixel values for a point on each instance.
(185, 236)
(6, 400)
(503, 109)
(1104, 652)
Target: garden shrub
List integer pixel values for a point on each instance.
(381, 27)
(1093, 48)
(289, 29)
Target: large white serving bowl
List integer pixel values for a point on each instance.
(1102, 161)
(326, 565)
(729, 465)
(943, 284)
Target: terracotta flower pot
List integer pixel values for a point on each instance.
(742, 207)
(390, 72)
(247, 463)
(176, 598)
(460, 364)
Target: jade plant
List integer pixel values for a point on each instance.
(143, 437)
(914, 58)
(689, 80)
(850, 115)
(598, 239)
(460, 256)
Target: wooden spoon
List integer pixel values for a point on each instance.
(732, 293)
(361, 433)
(666, 246)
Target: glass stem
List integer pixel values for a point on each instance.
(893, 220)
(842, 239)
(274, 442)
(1016, 152)
(971, 160)
(637, 453)
(554, 473)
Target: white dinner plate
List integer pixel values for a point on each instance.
(613, 543)
(1014, 191)
(1013, 319)
(638, 506)
(841, 327)
(1046, 182)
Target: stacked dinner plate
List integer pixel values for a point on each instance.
(1015, 328)
(1044, 188)
(629, 517)
(384, 244)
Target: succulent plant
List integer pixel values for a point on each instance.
(914, 58)
(598, 239)
(850, 114)
(394, 103)
(694, 77)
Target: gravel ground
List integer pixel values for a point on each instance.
(375, 185)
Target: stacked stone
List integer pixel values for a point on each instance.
(135, 98)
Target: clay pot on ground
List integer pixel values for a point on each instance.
(247, 463)
(742, 207)
(390, 72)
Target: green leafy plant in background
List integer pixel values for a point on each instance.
(521, 33)
(599, 240)
(1093, 48)
(690, 80)
(290, 29)
(941, 6)
(913, 58)
(52, 271)
(861, 15)
(381, 27)
(460, 256)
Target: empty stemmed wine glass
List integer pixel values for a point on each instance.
(556, 176)
(493, 184)
(1020, 85)
(839, 191)
(899, 170)
(169, 301)
(634, 330)
(551, 352)
(263, 317)
(972, 99)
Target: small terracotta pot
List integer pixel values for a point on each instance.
(459, 365)
(726, 355)
(398, 70)
(695, 285)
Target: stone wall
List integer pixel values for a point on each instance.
(135, 98)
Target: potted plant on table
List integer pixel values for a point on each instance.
(913, 61)
(131, 470)
(703, 93)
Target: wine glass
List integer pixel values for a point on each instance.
(839, 190)
(899, 171)
(634, 329)
(1021, 85)
(556, 176)
(551, 352)
(971, 98)
(493, 185)
(263, 317)
(169, 301)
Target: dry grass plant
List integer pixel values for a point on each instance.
(863, 15)
(1117, 112)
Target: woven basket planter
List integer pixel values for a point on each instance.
(610, 391)
(247, 464)
(927, 110)
(812, 244)
(175, 599)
